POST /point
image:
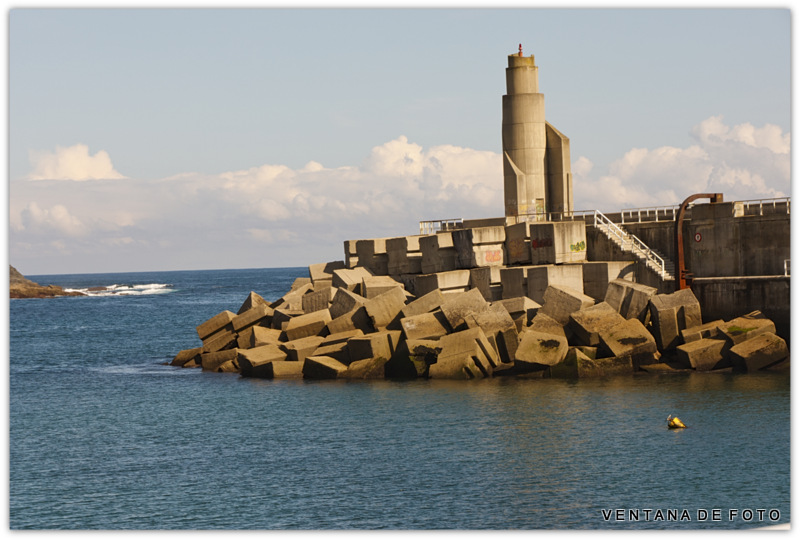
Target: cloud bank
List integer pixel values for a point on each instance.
(275, 215)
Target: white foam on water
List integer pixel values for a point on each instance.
(125, 290)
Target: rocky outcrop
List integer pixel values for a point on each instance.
(22, 287)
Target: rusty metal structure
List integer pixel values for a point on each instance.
(684, 277)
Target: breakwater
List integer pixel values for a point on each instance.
(344, 322)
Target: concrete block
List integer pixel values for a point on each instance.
(318, 300)
(424, 304)
(444, 281)
(537, 350)
(252, 301)
(368, 368)
(671, 313)
(458, 306)
(255, 336)
(322, 367)
(506, 342)
(425, 326)
(438, 253)
(759, 352)
(522, 309)
(259, 315)
(373, 346)
(373, 286)
(281, 369)
(293, 300)
(282, 315)
(336, 345)
(518, 244)
(481, 279)
(384, 309)
(631, 339)
(480, 246)
(587, 323)
(185, 356)
(631, 300)
(350, 254)
(212, 361)
(412, 358)
(356, 319)
(545, 324)
(598, 274)
(404, 256)
(578, 365)
(344, 301)
(542, 277)
(297, 350)
(460, 366)
(492, 319)
(704, 354)
(557, 242)
(372, 255)
(350, 278)
(324, 271)
(474, 342)
(310, 324)
(220, 341)
(252, 362)
(514, 281)
(696, 333)
(215, 324)
(561, 301)
(746, 327)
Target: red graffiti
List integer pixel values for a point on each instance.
(541, 242)
(494, 256)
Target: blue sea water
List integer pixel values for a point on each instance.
(103, 435)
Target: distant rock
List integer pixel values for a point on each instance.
(22, 287)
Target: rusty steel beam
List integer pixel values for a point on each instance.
(684, 278)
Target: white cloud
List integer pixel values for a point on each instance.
(55, 220)
(742, 162)
(72, 163)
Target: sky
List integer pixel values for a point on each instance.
(182, 139)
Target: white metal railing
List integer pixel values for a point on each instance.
(635, 215)
(761, 203)
(787, 267)
(558, 216)
(433, 226)
(630, 242)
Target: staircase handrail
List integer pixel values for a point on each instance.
(602, 221)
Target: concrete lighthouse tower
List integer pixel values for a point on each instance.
(536, 167)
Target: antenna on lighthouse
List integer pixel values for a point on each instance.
(520, 49)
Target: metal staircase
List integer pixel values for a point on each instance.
(630, 243)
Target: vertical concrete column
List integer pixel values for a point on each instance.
(524, 139)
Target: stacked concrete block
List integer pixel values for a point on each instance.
(336, 345)
(310, 324)
(598, 274)
(579, 365)
(404, 255)
(345, 301)
(217, 323)
(542, 277)
(376, 346)
(514, 281)
(424, 326)
(438, 253)
(256, 336)
(456, 308)
(480, 246)
(630, 339)
(323, 272)
(671, 313)
(281, 316)
(220, 341)
(412, 359)
(297, 283)
(372, 255)
(706, 330)
(350, 254)
(544, 324)
(704, 354)
(522, 310)
(561, 301)
(322, 367)
(255, 362)
(384, 309)
(464, 355)
(350, 278)
(355, 319)
(376, 285)
(538, 351)
(745, 327)
(293, 300)
(222, 361)
(423, 304)
(758, 352)
(557, 242)
(260, 314)
(631, 300)
(187, 356)
(518, 244)
(368, 368)
(299, 349)
(586, 324)
(481, 279)
(454, 281)
(252, 301)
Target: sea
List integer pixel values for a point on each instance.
(105, 435)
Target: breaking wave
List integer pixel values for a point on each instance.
(125, 290)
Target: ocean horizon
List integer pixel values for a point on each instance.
(104, 435)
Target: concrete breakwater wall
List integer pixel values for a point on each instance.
(349, 323)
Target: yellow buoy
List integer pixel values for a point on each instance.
(674, 423)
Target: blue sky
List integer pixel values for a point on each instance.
(186, 139)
